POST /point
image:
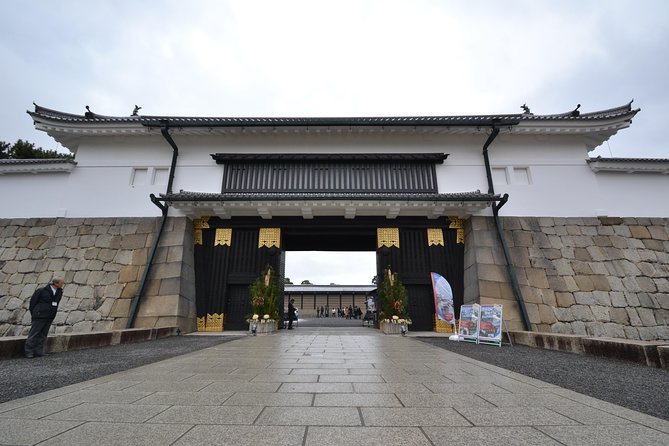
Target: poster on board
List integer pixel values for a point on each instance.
(443, 299)
(469, 323)
(490, 325)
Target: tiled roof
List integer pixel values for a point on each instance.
(464, 120)
(203, 196)
(628, 160)
(14, 162)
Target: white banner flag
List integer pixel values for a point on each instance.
(443, 298)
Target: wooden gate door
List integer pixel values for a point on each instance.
(224, 272)
(415, 259)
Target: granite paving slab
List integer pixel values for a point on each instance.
(244, 436)
(486, 436)
(120, 434)
(310, 416)
(32, 431)
(625, 435)
(312, 389)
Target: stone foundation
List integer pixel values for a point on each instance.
(102, 261)
(603, 277)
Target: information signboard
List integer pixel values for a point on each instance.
(490, 325)
(469, 323)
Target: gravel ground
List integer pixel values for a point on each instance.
(23, 377)
(635, 386)
(627, 384)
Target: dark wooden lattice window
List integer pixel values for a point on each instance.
(410, 173)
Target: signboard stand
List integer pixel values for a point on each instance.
(490, 325)
(468, 330)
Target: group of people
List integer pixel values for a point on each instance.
(349, 312)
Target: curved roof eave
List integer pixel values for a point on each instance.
(66, 128)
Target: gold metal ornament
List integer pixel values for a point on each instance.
(214, 322)
(223, 237)
(435, 237)
(459, 224)
(269, 237)
(387, 237)
(197, 237)
(199, 224)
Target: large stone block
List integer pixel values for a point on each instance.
(565, 300)
(584, 283)
(600, 313)
(173, 269)
(489, 289)
(637, 351)
(129, 273)
(546, 314)
(647, 316)
(640, 232)
(120, 308)
(582, 313)
(663, 354)
(655, 245)
(551, 341)
(658, 232)
(600, 283)
(646, 284)
(492, 273)
(536, 278)
(635, 321)
(584, 298)
(159, 306)
(563, 314)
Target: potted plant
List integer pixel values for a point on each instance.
(393, 301)
(264, 294)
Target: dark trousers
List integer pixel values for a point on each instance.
(38, 333)
(290, 321)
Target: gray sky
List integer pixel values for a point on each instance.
(337, 58)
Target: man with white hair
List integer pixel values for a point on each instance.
(43, 309)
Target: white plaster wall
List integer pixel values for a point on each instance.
(632, 194)
(27, 195)
(560, 181)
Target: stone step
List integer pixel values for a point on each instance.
(12, 346)
(650, 353)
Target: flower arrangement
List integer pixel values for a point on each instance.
(392, 298)
(264, 294)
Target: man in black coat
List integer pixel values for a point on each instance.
(291, 313)
(43, 309)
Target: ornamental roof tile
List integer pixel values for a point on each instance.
(232, 196)
(14, 162)
(624, 111)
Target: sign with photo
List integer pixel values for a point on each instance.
(469, 322)
(443, 299)
(490, 325)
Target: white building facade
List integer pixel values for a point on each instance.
(586, 238)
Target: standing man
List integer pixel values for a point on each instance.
(43, 308)
(291, 313)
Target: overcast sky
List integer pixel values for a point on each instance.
(337, 58)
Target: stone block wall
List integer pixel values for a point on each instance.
(102, 261)
(587, 276)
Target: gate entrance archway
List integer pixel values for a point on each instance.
(230, 254)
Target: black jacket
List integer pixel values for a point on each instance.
(41, 304)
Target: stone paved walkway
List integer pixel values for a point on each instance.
(322, 387)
